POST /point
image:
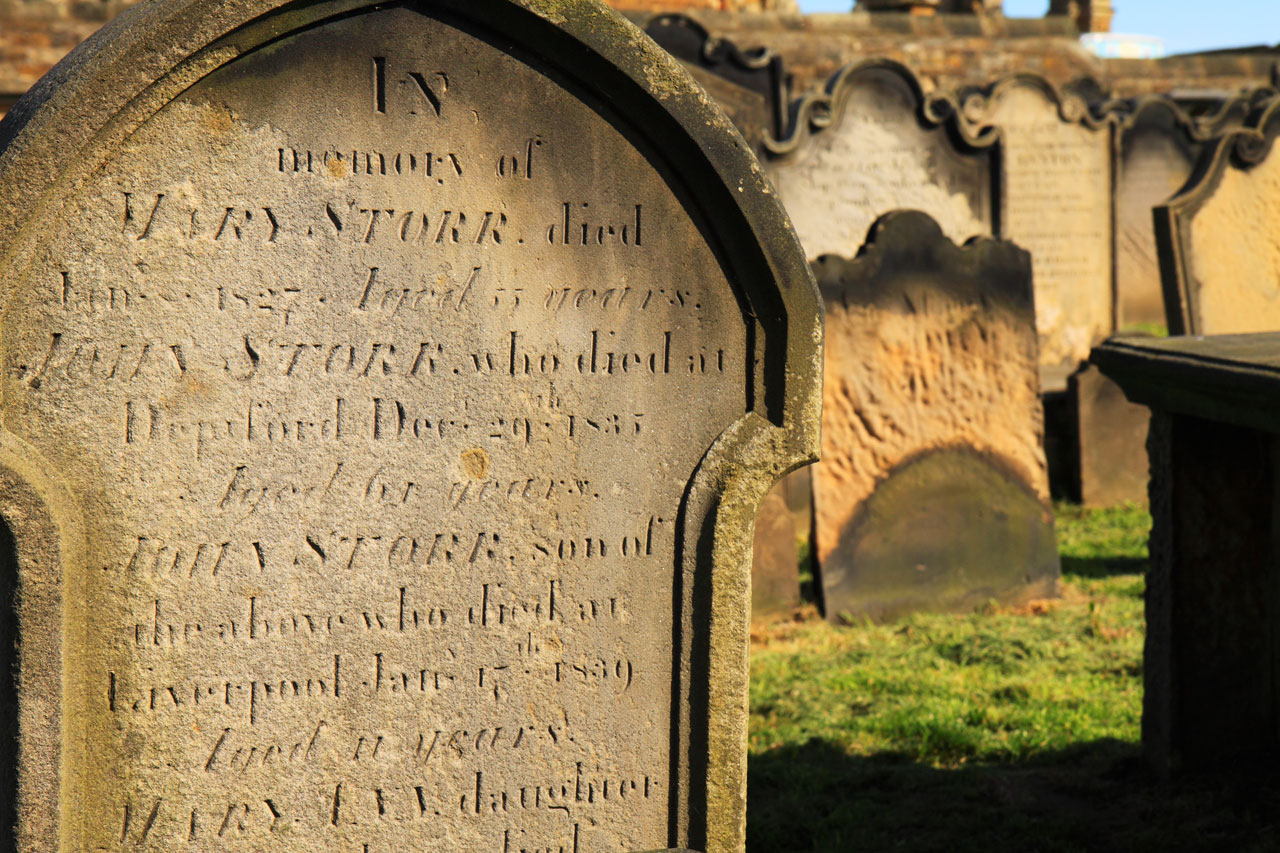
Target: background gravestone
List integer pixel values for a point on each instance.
(1219, 253)
(775, 575)
(1056, 204)
(1158, 146)
(1157, 143)
(749, 85)
(875, 143)
(932, 491)
(354, 493)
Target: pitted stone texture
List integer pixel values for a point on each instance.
(872, 152)
(930, 379)
(366, 354)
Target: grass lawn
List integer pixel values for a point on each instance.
(999, 730)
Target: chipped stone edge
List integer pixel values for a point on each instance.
(69, 124)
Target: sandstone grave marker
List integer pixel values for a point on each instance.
(932, 492)
(1055, 203)
(1219, 255)
(873, 143)
(355, 497)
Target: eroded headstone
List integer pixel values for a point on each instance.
(356, 496)
(932, 492)
(1056, 204)
(1219, 254)
(875, 143)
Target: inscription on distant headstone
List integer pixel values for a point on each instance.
(1219, 254)
(1056, 203)
(875, 143)
(932, 492)
(361, 342)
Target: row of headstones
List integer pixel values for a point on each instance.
(378, 469)
(897, 523)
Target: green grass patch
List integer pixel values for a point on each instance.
(997, 730)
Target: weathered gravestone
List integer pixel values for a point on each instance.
(357, 499)
(932, 491)
(1219, 252)
(1109, 437)
(1056, 203)
(1157, 147)
(873, 143)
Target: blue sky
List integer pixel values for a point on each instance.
(1185, 25)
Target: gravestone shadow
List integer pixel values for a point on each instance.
(1103, 567)
(1096, 796)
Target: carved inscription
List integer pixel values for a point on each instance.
(382, 416)
(1057, 204)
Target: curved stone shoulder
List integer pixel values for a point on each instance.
(816, 112)
(760, 68)
(711, 49)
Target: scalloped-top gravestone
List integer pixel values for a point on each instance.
(1158, 147)
(874, 143)
(1055, 203)
(932, 492)
(1219, 253)
(355, 494)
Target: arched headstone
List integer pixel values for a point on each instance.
(388, 390)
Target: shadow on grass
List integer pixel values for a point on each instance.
(1093, 797)
(1102, 567)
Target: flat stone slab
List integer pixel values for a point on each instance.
(388, 393)
(1228, 378)
(1209, 699)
